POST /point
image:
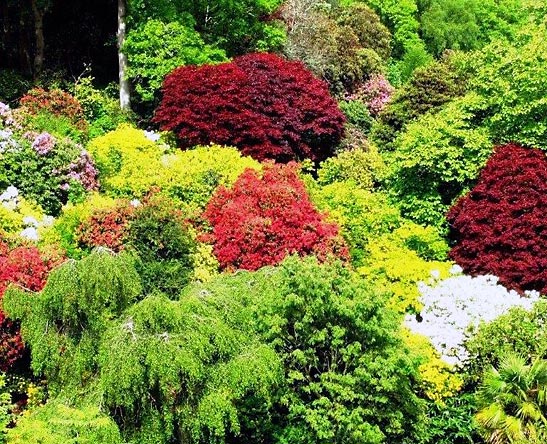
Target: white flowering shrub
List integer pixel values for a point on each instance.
(454, 308)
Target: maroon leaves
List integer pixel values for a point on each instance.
(501, 226)
(268, 107)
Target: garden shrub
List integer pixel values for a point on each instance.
(155, 48)
(164, 244)
(12, 85)
(266, 106)
(19, 216)
(64, 322)
(26, 267)
(107, 227)
(55, 102)
(363, 166)
(262, 219)
(521, 330)
(429, 88)
(439, 157)
(101, 108)
(347, 377)
(56, 423)
(5, 404)
(357, 114)
(498, 227)
(47, 169)
(376, 93)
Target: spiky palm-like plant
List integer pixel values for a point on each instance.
(513, 402)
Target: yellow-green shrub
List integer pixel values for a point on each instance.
(12, 219)
(438, 380)
(363, 166)
(130, 165)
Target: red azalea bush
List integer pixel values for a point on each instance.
(56, 102)
(25, 266)
(261, 220)
(500, 225)
(268, 107)
(106, 227)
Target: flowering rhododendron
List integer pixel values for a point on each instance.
(499, 227)
(376, 92)
(27, 267)
(266, 106)
(261, 220)
(83, 170)
(43, 143)
(454, 307)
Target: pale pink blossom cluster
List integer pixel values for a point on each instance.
(376, 92)
(43, 143)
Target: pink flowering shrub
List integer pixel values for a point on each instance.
(376, 92)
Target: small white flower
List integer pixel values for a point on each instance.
(10, 193)
(455, 269)
(47, 221)
(435, 274)
(135, 203)
(152, 135)
(30, 233)
(29, 220)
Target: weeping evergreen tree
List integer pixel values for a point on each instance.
(513, 401)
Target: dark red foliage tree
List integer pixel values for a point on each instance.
(500, 226)
(261, 220)
(27, 267)
(268, 107)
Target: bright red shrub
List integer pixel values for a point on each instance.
(500, 226)
(56, 102)
(27, 267)
(260, 220)
(266, 106)
(106, 227)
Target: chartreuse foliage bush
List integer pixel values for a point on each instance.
(499, 226)
(508, 79)
(439, 157)
(5, 403)
(262, 219)
(57, 422)
(130, 165)
(156, 48)
(268, 107)
(64, 322)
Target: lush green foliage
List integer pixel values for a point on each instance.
(155, 48)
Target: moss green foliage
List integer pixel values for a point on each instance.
(130, 165)
(438, 159)
(164, 244)
(64, 322)
(429, 88)
(101, 107)
(357, 114)
(179, 370)
(519, 331)
(468, 24)
(155, 48)
(56, 423)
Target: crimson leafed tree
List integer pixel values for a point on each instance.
(268, 107)
(261, 220)
(500, 226)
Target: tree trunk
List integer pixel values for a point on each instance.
(39, 38)
(125, 98)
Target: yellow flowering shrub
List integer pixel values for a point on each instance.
(13, 219)
(438, 380)
(130, 165)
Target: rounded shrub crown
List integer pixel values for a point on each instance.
(260, 220)
(266, 106)
(500, 225)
